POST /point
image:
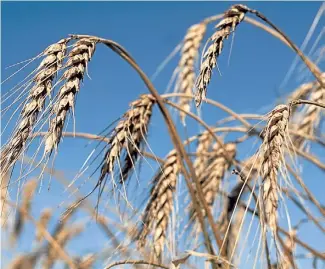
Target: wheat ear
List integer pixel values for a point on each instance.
(34, 105)
(311, 118)
(76, 66)
(186, 65)
(271, 160)
(214, 172)
(27, 197)
(128, 135)
(225, 27)
(203, 147)
(160, 204)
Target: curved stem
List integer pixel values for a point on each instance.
(311, 66)
(175, 139)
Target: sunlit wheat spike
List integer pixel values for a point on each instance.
(225, 27)
(311, 116)
(24, 208)
(127, 137)
(214, 172)
(271, 152)
(34, 104)
(186, 65)
(43, 222)
(76, 65)
(160, 204)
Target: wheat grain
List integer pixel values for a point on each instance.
(160, 204)
(76, 66)
(128, 135)
(186, 65)
(225, 27)
(34, 103)
(271, 161)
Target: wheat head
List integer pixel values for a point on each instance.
(128, 135)
(76, 66)
(225, 27)
(214, 172)
(160, 204)
(311, 116)
(186, 65)
(35, 101)
(271, 160)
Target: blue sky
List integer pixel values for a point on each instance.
(150, 31)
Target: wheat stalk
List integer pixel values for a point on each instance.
(160, 204)
(225, 27)
(34, 103)
(76, 66)
(128, 135)
(186, 65)
(271, 160)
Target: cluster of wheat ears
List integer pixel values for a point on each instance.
(217, 216)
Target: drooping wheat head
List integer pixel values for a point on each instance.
(225, 27)
(271, 154)
(160, 204)
(76, 67)
(34, 104)
(128, 136)
(186, 66)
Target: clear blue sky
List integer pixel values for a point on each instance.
(149, 31)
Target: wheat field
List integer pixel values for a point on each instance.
(112, 160)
